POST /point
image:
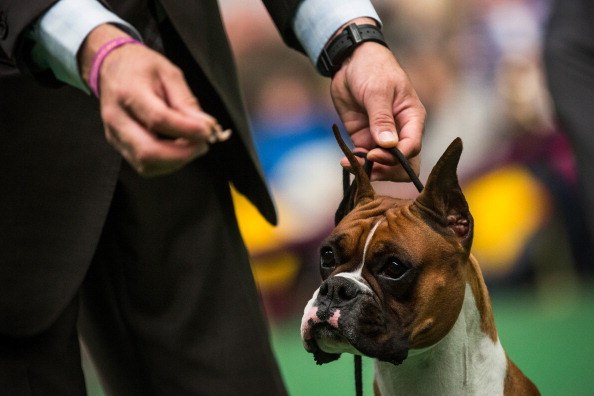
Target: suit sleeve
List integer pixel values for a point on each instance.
(307, 25)
(16, 16)
(282, 13)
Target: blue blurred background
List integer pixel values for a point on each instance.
(477, 67)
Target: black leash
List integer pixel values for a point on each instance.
(346, 185)
(358, 375)
(406, 165)
(369, 165)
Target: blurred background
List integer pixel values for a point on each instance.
(476, 65)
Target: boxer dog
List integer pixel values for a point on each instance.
(401, 286)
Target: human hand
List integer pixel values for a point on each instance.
(149, 113)
(379, 107)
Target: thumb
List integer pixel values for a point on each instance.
(180, 98)
(178, 94)
(381, 121)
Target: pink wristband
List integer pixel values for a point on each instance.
(100, 57)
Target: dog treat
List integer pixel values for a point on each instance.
(219, 135)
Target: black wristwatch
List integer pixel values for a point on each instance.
(344, 44)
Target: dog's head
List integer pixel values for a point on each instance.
(392, 269)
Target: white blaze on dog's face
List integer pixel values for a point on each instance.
(393, 271)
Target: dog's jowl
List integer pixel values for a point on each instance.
(400, 285)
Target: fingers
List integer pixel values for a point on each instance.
(396, 174)
(412, 129)
(180, 100)
(382, 125)
(150, 114)
(409, 138)
(396, 119)
(380, 109)
(156, 116)
(156, 96)
(391, 172)
(146, 153)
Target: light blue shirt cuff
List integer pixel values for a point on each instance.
(316, 21)
(60, 32)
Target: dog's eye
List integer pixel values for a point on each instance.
(327, 259)
(394, 269)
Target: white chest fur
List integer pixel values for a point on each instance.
(465, 362)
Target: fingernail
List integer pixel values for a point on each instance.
(387, 137)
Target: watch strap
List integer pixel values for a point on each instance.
(344, 44)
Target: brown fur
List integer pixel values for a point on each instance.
(446, 265)
(516, 383)
(481, 295)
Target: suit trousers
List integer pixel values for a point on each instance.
(169, 305)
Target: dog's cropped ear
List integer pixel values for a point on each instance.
(442, 202)
(361, 190)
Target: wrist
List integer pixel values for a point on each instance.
(358, 21)
(93, 42)
(345, 41)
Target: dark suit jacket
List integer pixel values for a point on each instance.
(58, 173)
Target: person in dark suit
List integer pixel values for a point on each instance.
(143, 258)
(569, 67)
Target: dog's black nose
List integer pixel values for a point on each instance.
(336, 292)
(338, 289)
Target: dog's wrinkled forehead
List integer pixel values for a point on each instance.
(402, 235)
(368, 213)
(355, 275)
(354, 235)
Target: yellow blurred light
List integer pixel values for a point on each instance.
(259, 236)
(276, 271)
(508, 206)
(273, 266)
